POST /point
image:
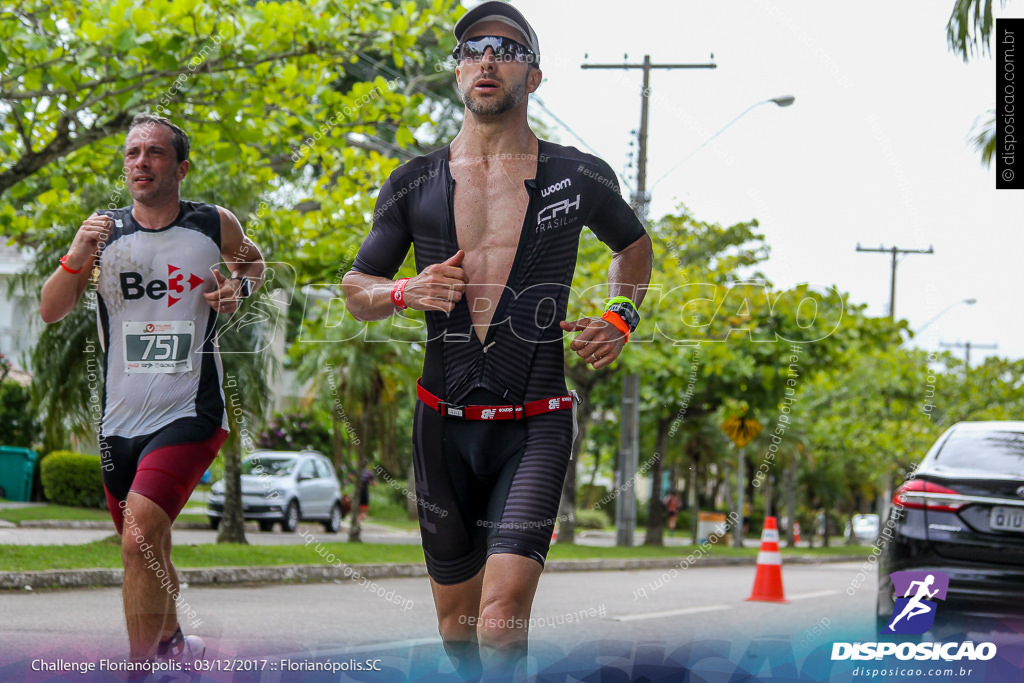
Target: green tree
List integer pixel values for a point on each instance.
(270, 96)
(968, 33)
(362, 372)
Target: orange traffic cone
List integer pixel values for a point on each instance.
(796, 532)
(768, 581)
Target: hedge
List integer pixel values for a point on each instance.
(71, 478)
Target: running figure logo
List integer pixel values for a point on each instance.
(914, 612)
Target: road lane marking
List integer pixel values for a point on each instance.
(816, 594)
(672, 613)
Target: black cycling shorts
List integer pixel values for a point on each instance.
(487, 487)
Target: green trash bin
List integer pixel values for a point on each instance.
(17, 465)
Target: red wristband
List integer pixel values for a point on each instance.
(65, 266)
(398, 293)
(616, 319)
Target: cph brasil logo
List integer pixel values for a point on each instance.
(914, 612)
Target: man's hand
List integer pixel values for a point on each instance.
(224, 299)
(439, 287)
(90, 237)
(598, 343)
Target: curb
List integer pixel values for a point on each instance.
(96, 524)
(213, 576)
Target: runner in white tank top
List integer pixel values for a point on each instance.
(159, 290)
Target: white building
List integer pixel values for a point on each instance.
(19, 320)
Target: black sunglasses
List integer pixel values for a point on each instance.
(504, 49)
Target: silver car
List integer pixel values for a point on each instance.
(284, 487)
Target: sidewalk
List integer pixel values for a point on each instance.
(93, 578)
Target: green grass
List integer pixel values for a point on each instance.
(560, 551)
(107, 554)
(67, 513)
(59, 512)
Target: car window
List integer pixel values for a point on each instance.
(323, 469)
(307, 470)
(269, 466)
(999, 452)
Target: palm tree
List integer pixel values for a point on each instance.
(967, 34)
(361, 370)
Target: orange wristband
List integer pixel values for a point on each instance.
(616, 319)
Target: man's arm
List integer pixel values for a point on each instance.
(438, 288)
(243, 258)
(599, 342)
(64, 289)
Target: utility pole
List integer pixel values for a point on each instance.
(892, 283)
(640, 198)
(629, 440)
(629, 457)
(967, 346)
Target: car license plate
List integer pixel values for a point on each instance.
(1007, 519)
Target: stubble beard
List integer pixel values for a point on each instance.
(512, 98)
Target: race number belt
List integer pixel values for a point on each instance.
(158, 346)
(509, 412)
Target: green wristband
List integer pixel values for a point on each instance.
(619, 300)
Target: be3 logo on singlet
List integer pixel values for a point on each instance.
(133, 287)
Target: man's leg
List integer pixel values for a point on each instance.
(149, 577)
(458, 607)
(506, 602)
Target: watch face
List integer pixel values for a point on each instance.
(628, 313)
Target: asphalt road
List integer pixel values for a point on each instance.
(571, 609)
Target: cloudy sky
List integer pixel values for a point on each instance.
(874, 151)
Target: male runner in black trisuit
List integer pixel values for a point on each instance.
(495, 219)
(158, 291)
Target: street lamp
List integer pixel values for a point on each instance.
(969, 302)
(782, 101)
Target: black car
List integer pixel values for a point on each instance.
(962, 513)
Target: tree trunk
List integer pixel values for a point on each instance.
(790, 496)
(412, 497)
(567, 506)
(655, 511)
(694, 484)
(232, 523)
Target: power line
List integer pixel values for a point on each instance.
(892, 283)
(967, 346)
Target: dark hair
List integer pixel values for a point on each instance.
(180, 139)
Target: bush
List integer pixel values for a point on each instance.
(17, 424)
(590, 518)
(295, 431)
(71, 478)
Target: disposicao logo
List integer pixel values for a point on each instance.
(914, 614)
(916, 592)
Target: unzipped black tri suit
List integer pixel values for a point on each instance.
(494, 487)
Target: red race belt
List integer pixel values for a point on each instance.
(508, 412)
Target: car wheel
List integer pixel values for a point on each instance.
(214, 523)
(333, 525)
(266, 525)
(290, 521)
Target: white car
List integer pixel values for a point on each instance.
(285, 487)
(865, 528)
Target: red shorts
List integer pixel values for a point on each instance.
(164, 466)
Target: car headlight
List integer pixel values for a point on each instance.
(218, 487)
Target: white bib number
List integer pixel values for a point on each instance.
(158, 347)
